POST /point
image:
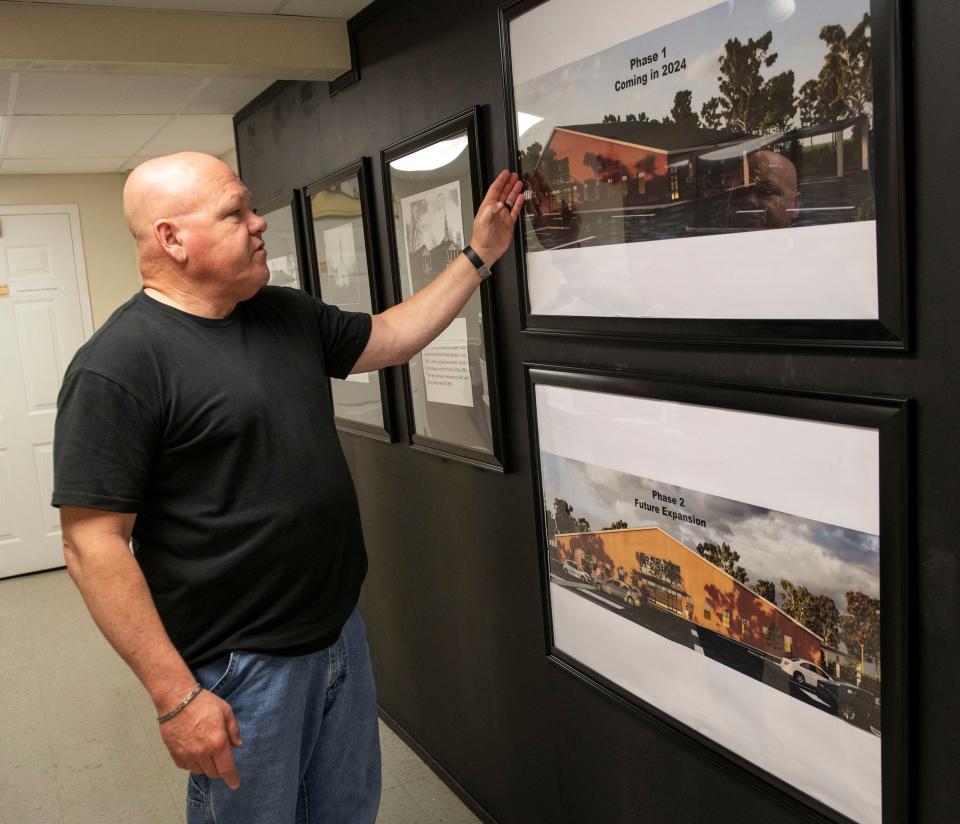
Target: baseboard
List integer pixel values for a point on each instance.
(441, 773)
(33, 572)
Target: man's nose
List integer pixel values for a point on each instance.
(259, 225)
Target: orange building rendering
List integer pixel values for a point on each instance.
(677, 578)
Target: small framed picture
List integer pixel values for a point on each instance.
(340, 216)
(433, 187)
(731, 562)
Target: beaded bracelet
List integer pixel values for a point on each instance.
(179, 708)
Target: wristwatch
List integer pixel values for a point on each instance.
(482, 269)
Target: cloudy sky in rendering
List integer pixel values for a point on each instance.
(827, 559)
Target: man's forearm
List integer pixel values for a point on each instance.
(403, 330)
(424, 315)
(115, 592)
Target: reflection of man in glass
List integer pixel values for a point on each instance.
(771, 199)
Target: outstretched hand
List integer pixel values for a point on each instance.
(496, 217)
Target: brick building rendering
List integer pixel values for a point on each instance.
(676, 578)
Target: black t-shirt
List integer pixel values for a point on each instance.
(219, 435)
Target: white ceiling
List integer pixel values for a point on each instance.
(89, 122)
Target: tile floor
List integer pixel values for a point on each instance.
(78, 740)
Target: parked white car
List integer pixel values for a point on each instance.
(575, 571)
(803, 672)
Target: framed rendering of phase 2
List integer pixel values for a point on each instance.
(731, 562)
(339, 214)
(432, 184)
(722, 170)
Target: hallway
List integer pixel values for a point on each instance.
(78, 742)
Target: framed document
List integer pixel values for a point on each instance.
(717, 558)
(432, 184)
(710, 170)
(282, 239)
(340, 216)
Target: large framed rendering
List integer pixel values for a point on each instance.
(432, 184)
(340, 217)
(282, 240)
(710, 170)
(716, 558)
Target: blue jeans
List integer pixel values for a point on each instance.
(311, 746)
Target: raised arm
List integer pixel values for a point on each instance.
(403, 330)
(96, 549)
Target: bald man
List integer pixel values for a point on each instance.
(198, 422)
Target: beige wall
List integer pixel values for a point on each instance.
(230, 158)
(109, 252)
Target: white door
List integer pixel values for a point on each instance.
(44, 317)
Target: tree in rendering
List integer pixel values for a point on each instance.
(725, 558)
(551, 523)
(618, 524)
(531, 157)
(766, 589)
(781, 107)
(414, 233)
(826, 622)
(818, 613)
(682, 112)
(564, 518)
(860, 627)
(748, 103)
(844, 87)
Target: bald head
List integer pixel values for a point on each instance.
(171, 186)
(769, 199)
(774, 169)
(195, 229)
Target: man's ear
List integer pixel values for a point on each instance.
(169, 236)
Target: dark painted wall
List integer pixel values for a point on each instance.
(453, 595)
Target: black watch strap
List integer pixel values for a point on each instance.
(482, 269)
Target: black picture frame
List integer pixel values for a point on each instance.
(294, 201)
(890, 331)
(891, 417)
(467, 122)
(359, 169)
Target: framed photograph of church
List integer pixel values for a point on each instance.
(283, 240)
(339, 215)
(723, 171)
(433, 185)
(732, 562)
